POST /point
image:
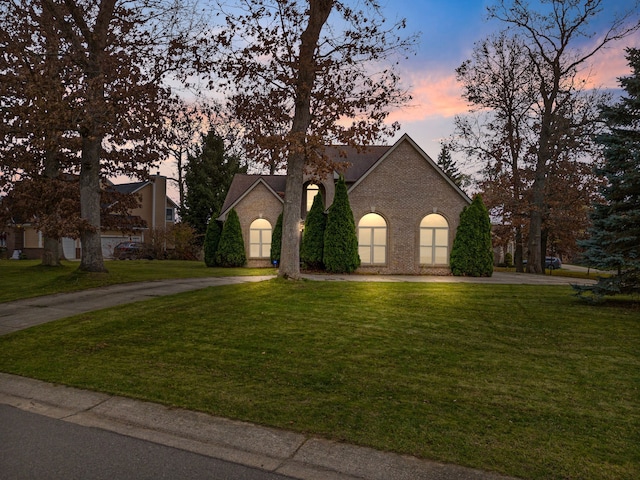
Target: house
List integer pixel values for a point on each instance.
(156, 210)
(405, 207)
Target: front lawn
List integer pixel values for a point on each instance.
(27, 278)
(523, 380)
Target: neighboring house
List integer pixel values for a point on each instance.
(405, 207)
(156, 211)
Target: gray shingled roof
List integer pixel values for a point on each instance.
(128, 188)
(359, 161)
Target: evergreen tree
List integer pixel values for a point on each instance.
(472, 252)
(211, 241)
(276, 240)
(447, 164)
(340, 239)
(614, 238)
(312, 247)
(230, 251)
(207, 177)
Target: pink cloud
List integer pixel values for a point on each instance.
(434, 95)
(438, 94)
(609, 65)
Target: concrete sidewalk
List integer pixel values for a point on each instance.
(286, 453)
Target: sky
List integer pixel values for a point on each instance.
(448, 30)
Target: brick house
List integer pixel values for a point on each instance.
(156, 210)
(405, 207)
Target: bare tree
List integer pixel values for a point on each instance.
(315, 81)
(498, 82)
(552, 33)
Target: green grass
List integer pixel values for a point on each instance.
(27, 278)
(523, 380)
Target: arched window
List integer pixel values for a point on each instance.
(434, 240)
(372, 239)
(312, 191)
(260, 239)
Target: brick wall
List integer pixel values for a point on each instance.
(403, 189)
(259, 203)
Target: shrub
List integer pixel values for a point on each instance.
(176, 242)
(276, 241)
(230, 251)
(472, 252)
(508, 260)
(340, 239)
(211, 241)
(312, 247)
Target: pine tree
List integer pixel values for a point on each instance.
(614, 238)
(211, 241)
(208, 175)
(276, 241)
(312, 247)
(340, 239)
(230, 251)
(447, 164)
(472, 252)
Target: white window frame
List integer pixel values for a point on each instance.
(432, 242)
(369, 249)
(260, 239)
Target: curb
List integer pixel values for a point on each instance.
(278, 451)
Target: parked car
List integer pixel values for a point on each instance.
(552, 263)
(131, 251)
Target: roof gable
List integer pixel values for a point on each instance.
(243, 184)
(389, 152)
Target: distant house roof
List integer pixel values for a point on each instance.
(128, 188)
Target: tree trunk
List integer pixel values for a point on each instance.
(91, 260)
(518, 256)
(52, 253)
(290, 250)
(535, 261)
(319, 11)
(92, 132)
(535, 227)
(543, 248)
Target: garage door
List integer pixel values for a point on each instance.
(69, 248)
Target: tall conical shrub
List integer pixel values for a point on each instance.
(230, 251)
(340, 239)
(276, 240)
(472, 252)
(312, 247)
(211, 241)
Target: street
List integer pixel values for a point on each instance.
(38, 447)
